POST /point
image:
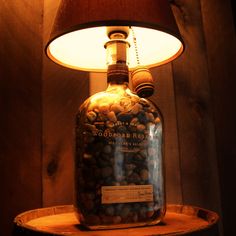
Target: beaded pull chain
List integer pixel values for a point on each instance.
(135, 46)
(141, 76)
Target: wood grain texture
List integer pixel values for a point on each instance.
(21, 46)
(49, 14)
(179, 220)
(63, 92)
(221, 47)
(195, 121)
(164, 98)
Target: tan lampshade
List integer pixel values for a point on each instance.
(79, 32)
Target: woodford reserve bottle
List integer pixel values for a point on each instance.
(118, 160)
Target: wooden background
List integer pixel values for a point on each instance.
(38, 100)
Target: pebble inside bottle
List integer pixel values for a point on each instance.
(119, 153)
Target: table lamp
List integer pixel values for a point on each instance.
(119, 177)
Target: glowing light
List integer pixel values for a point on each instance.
(84, 49)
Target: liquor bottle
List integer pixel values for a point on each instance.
(119, 178)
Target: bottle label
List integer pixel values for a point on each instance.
(126, 194)
(125, 141)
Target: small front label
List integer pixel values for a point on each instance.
(125, 194)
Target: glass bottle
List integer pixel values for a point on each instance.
(119, 179)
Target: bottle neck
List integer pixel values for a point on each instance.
(111, 85)
(118, 74)
(117, 88)
(117, 57)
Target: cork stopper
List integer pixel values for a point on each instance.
(142, 82)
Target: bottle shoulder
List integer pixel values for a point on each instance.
(113, 94)
(125, 103)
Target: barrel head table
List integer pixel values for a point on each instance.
(61, 220)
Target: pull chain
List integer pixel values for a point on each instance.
(135, 46)
(141, 77)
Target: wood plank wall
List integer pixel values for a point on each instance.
(21, 27)
(64, 90)
(199, 170)
(39, 99)
(220, 39)
(164, 98)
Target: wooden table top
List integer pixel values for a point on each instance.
(61, 220)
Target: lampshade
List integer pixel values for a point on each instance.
(79, 32)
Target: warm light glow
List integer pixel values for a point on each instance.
(84, 49)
